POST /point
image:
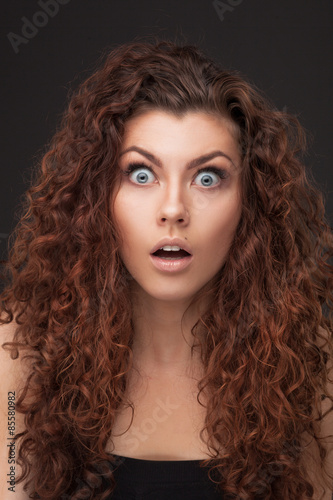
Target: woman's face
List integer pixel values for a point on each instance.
(180, 188)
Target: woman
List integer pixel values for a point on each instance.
(169, 304)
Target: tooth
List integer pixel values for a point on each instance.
(169, 248)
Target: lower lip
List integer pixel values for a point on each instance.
(171, 265)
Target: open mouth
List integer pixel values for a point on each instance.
(171, 254)
(171, 258)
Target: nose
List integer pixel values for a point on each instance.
(173, 207)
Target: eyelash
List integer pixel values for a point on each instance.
(222, 174)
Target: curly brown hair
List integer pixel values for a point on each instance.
(68, 289)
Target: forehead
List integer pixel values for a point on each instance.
(194, 131)
(162, 117)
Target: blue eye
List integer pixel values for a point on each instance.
(140, 174)
(208, 178)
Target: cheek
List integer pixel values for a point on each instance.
(135, 214)
(130, 213)
(122, 212)
(221, 225)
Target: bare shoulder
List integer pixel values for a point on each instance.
(12, 375)
(13, 372)
(9, 368)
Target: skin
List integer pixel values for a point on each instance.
(174, 202)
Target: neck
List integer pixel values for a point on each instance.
(162, 333)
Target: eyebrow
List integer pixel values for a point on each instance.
(192, 164)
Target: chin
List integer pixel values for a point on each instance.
(168, 293)
(169, 296)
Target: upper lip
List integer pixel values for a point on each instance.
(172, 242)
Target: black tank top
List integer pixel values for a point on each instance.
(138, 479)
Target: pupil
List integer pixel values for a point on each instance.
(142, 177)
(206, 179)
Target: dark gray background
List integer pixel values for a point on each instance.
(284, 47)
